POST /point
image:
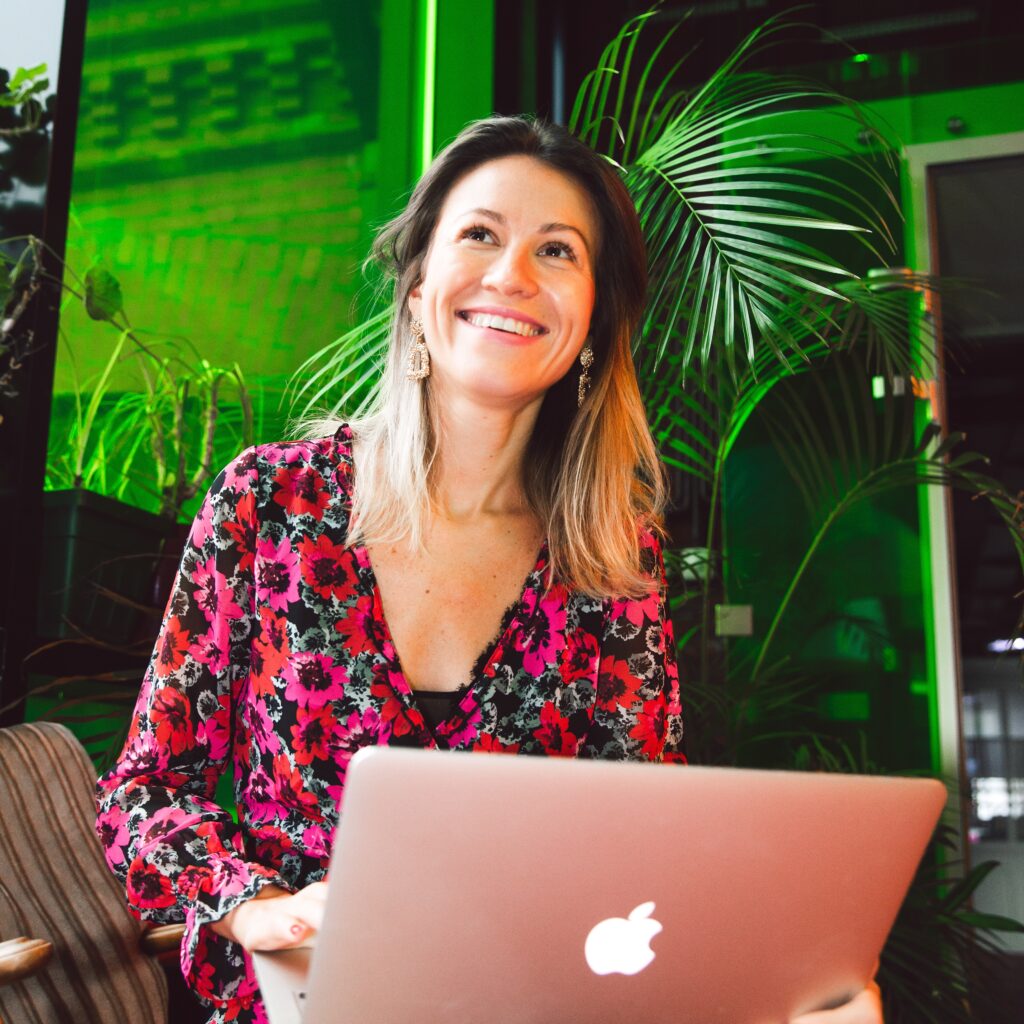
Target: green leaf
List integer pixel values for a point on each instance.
(23, 75)
(103, 299)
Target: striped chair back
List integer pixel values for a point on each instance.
(55, 885)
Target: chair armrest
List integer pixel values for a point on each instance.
(163, 938)
(21, 958)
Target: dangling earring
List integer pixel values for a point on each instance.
(586, 361)
(418, 367)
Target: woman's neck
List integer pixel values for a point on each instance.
(480, 458)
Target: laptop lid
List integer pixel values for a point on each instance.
(517, 889)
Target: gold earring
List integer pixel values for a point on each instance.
(418, 367)
(586, 361)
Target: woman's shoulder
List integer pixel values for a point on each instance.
(334, 450)
(312, 463)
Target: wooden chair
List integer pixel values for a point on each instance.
(73, 952)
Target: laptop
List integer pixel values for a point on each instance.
(527, 890)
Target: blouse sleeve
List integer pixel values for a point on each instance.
(180, 855)
(637, 713)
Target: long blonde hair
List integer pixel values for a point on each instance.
(592, 476)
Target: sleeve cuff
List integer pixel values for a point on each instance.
(218, 970)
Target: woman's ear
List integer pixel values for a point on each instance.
(415, 301)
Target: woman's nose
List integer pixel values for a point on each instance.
(511, 273)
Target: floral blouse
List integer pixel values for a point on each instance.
(274, 658)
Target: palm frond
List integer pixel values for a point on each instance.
(728, 227)
(343, 378)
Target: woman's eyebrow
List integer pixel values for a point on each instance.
(547, 229)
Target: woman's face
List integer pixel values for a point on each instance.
(508, 283)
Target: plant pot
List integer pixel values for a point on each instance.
(99, 559)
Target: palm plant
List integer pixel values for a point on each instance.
(752, 318)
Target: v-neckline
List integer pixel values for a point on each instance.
(509, 618)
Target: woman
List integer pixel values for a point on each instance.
(509, 444)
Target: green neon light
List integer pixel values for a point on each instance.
(429, 80)
(861, 58)
(878, 387)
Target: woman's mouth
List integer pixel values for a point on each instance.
(505, 324)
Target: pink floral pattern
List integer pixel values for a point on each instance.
(274, 663)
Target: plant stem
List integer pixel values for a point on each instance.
(705, 615)
(797, 576)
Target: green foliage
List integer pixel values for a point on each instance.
(158, 442)
(24, 84)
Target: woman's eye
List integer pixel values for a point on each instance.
(478, 233)
(560, 249)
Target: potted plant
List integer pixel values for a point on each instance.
(140, 442)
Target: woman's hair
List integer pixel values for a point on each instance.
(591, 474)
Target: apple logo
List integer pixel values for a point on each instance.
(621, 945)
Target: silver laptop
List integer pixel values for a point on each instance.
(508, 889)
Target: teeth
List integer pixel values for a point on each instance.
(502, 323)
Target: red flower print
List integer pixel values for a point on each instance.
(324, 567)
(313, 679)
(650, 728)
(554, 732)
(290, 790)
(392, 710)
(147, 888)
(616, 686)
(361, 630)
(310, 736)
(171, 716)
(242, 530)
(277, 574)
(491, 744)
(171, 647)
(194, 880)
(579, 659)
(301, 491)
(270, 650)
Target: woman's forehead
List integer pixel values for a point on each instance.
(524, 189)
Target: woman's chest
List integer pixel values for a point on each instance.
(447, 604)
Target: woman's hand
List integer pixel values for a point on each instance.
(865, 1008)
(275, 919)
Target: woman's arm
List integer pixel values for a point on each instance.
(180, 855)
